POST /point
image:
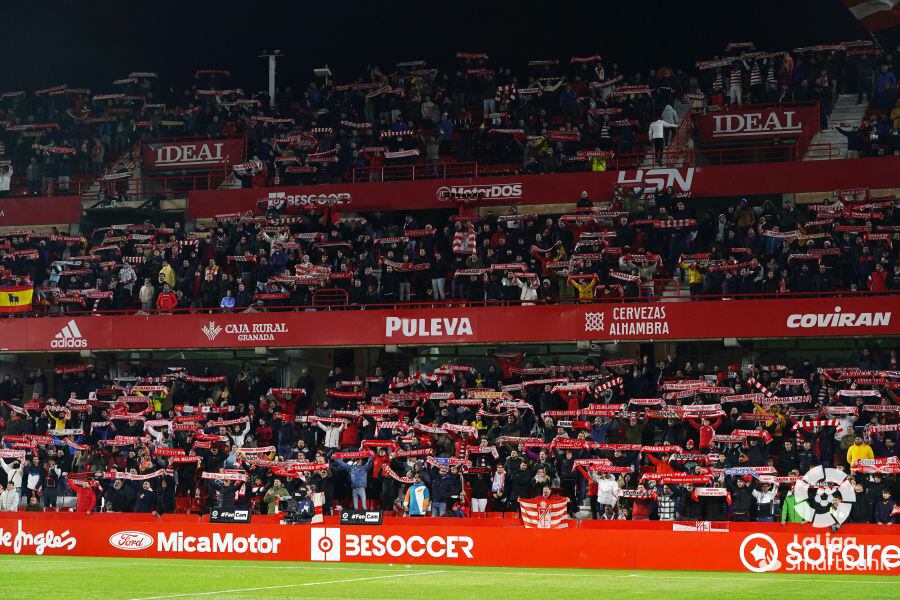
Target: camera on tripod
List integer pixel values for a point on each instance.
(297, 508)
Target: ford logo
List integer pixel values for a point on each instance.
(131, 540)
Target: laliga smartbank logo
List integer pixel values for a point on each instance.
(824, 498)
(326, 544)
(759, 553)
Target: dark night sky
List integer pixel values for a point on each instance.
(92, 42)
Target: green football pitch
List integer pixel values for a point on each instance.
(79, 578)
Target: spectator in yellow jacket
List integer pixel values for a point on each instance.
(859, 450)
(695, 277)
(167, 274)
(585, 287)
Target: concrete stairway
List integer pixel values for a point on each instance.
(845, 112)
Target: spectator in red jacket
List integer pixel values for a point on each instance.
(167, 300)
(263, 434)
(662, 464)
(878, 279)
(86, 499)
(642, 507)
(707, 431)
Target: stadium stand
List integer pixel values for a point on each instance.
(472, 117)
(617, 437)
(627, 438)
(637, 246)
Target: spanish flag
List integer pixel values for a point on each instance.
(15, 298)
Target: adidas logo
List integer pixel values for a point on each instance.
(69, 337)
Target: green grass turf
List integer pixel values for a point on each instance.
(80, 578)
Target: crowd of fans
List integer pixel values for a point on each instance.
(548, 116)
(630, 438)
(630, 248)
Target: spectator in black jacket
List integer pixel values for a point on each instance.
(390, 285)
(441, 490)
(885, 508)
(480, 489)
(861, 511)
(146, 499)
(165, 497)
(568, 477)
(519, 484)
(806, 458)
(687, 506)
(742, 501)
(787, 459)
(118, 498)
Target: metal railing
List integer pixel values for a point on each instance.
(441, 170)
(143, 188)
(647, 295)
(766, 154)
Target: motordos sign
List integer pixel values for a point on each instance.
(478, 192)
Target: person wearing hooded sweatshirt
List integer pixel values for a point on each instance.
(789, 512)
(417, 498)
(607, 490)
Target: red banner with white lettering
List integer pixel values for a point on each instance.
(687, 182)
(743, 547)
(747, 319)
(748, 123)
(56, 210)
(192, 154)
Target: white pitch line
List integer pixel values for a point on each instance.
(130, 562)
(786, 577)
(291, 585)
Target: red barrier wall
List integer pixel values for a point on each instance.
(731, 180)
(56, 210)
(755, 547)
(797, 317)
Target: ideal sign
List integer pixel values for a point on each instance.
(747, 123)
(192, 154)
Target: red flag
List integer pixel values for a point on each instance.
(875, 15)
(544, 513)
(464, 242)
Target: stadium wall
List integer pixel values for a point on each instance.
(754, 547)
(712, 181)
(746, 319)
